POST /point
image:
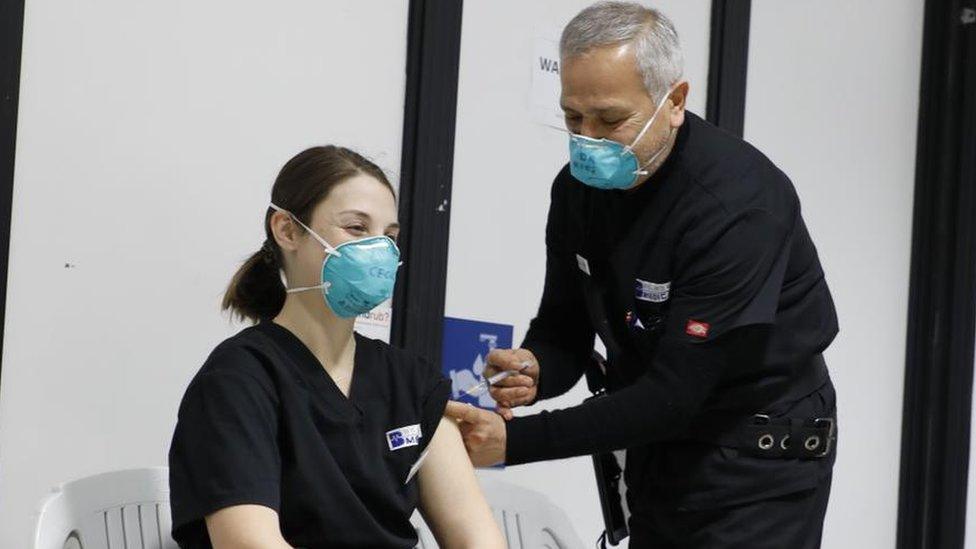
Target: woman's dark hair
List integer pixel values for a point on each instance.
(256, 291)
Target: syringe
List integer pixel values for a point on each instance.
(479, 388)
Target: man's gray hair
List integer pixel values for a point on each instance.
(656, 47)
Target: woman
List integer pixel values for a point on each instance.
(297, 432)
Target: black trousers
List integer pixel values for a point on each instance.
(792, 521)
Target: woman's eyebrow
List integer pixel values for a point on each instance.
(360, 213)
(365, 215)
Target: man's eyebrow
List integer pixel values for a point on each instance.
(601, 108)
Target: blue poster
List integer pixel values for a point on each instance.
(466, 347)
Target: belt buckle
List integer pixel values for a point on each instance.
(831, 425)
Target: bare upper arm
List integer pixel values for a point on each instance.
(451, 500)
(244, 527)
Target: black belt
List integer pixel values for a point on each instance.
(781, 438)
(767, 437)
(763, 436)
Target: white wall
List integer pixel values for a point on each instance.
(833, 100)
(504, 165)
(149, 137)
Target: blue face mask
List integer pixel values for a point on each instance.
(606, 164)
(357, 275)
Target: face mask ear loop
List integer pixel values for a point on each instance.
(647, 126)
(642, 171)
(328, 247)
(306, 288)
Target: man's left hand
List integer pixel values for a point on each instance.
(483, 432)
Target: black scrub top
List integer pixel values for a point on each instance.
(714, 303)
(263, 423)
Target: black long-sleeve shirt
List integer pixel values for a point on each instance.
(710, 299)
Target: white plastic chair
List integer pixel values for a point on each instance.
(124, 510)
(528, 519)
(117, 510)
(425, 539)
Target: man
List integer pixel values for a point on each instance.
(683, 248)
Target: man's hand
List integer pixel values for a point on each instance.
(483, 433)
(516, 390)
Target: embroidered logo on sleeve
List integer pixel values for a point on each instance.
(697, 329)
(404, 437)
(654, 292)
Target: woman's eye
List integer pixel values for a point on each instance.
(357, 228)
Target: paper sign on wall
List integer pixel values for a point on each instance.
(376, 323)
(545, 90)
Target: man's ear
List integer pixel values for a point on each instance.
(679, 100)
(286, 232)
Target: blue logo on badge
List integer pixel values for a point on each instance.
(396, 440)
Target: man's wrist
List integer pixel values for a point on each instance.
(524, 439)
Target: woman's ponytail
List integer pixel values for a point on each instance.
(256, 292)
